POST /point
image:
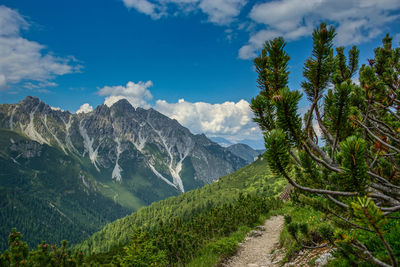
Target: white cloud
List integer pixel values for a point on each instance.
(221, 12)
(357, 21)
(39, 85)
(85, 108)
(230, 120)
(21, 59)
(136, 93)
(56, 108)
(256, 41)
(145, 7)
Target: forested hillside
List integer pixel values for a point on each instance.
(176, 230)
(253, 179)
(48, 197)
(82, 171)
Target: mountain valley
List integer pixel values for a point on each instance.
(77, 172)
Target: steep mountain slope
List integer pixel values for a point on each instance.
(106, 163)
(254, 178)
(47, 195)
(244, 151)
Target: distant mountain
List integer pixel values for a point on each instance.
(245, 152)
(64, 175)
(255, 144)
(221, 141)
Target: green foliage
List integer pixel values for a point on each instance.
(319, 66)
(272, 66)
(293, 228)
(18, 251)
(287, 117)
(292, 238)
(251, 179)
(36, 190)
(224, 246)
(337, 109)
(326, 231)
(180, 241)
(366, 212)
(309, 173)
(344, 72)
(265, 110)
(273, 57)
(354, 177)
(142, 252)
(288, 219)
(360, 129)
(276, 153)
(303, 227)
(45, 255)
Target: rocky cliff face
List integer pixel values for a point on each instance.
(113, 139)
(119, 156)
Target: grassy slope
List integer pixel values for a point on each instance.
(253, 178)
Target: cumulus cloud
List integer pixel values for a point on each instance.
(136, 93)
(56, 108)
(85, 108)
(357, 21)
(220, 12)
(145, 7)
(21, 59)
(230, 120)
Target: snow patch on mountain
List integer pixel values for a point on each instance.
(31, 132)
(54, 136)
(159, 175)
(140, 141)
(88, 143)
(174, 170)
(68, 134)
(11, 122)
(116, 173)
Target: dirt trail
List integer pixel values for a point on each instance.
(255, 251)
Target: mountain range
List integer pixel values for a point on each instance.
(63, 175)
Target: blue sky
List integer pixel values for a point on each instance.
(190, 59)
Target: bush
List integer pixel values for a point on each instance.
(224, 246)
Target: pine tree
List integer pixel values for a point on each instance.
(352, 169)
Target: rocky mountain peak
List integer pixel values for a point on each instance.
(122, 107)
(113, 139)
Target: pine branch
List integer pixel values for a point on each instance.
(327, 134)
(377, 138)
(347, 221)
(382, 196)
(369, 255)
(386, 134)
(372, 222)
(383, 180)
(315, 147)
(388, 109)
(337, 202)
(318, 191)
(323, 162)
